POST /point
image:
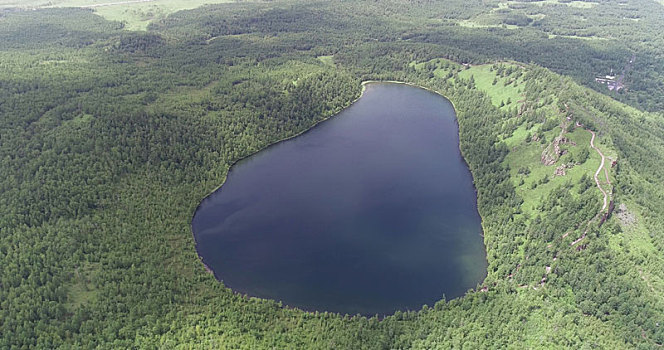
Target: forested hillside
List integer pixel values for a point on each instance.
(109, 139)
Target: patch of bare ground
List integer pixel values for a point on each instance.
(626, 218)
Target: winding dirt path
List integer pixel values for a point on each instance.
(601, 165)
(596, 177)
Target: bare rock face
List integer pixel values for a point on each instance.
(560, 171)
(548, 159)
(556, 146)
(561, 140)
(552, 152)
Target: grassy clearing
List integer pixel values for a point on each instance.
(505, 92)
(328, 60)
(635, 244)
(553, 36)
(30, 4)
(81, 290)
(478, 24)
(518, 136)
(526, 158)
(437, 63)
(440, 68)
(537, 16)
(533, 180)
(136, 14)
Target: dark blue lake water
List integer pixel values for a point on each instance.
(370, 212)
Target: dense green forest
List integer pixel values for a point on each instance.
(109, 139)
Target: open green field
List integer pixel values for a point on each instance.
(328, 59)
(553, 36)
(136, 14)
(504, 89)
(475, 23)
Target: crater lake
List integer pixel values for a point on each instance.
(369, 212)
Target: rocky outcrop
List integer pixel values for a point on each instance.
(553, 151)
(560, 171)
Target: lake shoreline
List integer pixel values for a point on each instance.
(363, 91)
(205, 266)
(456, 120)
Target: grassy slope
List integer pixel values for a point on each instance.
(505, 93)
(634, 246)
(526, 154)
